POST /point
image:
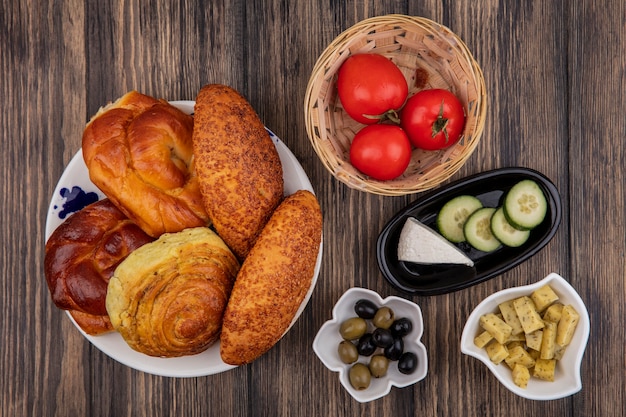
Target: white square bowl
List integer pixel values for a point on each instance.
(328, 339)
(567, 379)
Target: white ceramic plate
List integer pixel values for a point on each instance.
(328, 339)
(74, 189)
(567, 379)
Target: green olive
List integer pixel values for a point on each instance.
(360, 376)
(378, 366)
(347, 352)
(353, 328)
(383, 318)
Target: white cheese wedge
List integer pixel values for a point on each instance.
(422, 245)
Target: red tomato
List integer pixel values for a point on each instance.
(369, 86)
(381, 151)
(433, 119)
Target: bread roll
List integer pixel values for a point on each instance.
(273, 280)
(81, 255)
(238, 166)
(139, 153)
(168, 297)
(90, 323)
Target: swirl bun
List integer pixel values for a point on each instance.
(168, 297)
(139, 153)
(81, 255)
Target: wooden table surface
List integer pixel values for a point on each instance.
(555, 76)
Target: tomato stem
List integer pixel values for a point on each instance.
(441, 124)
(391, 115)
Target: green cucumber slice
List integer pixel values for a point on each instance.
(525, 205)
(477, 230)
(453, 216)
(505, 233)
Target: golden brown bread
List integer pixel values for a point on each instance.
(273, 280)
(139, 153)
(92, 324)
(168, 297)
(81, 255)
(240, 172)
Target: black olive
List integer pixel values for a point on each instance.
(382, 338)
(365, 309)
(395, 350)
(366, 345)
(401, 327)
(407, 363)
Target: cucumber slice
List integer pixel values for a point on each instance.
(453, 216)
(477, 230)
(504, 232)
(525, 205)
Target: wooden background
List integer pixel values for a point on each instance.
(555, 75)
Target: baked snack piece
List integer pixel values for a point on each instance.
(81, 255)
(240, 172)
(168, 297)
(273, 280)
(139, 153)
(92, 324)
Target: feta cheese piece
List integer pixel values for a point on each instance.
(421, 245)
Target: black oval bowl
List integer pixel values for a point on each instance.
(489, 187)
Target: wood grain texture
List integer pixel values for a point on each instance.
(597, 173)
(554, 72)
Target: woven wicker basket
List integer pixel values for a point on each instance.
(430, 56)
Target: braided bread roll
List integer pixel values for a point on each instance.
(241, 176)
(167, 298)
(139, 153)
(81, 255)
(273, 280)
